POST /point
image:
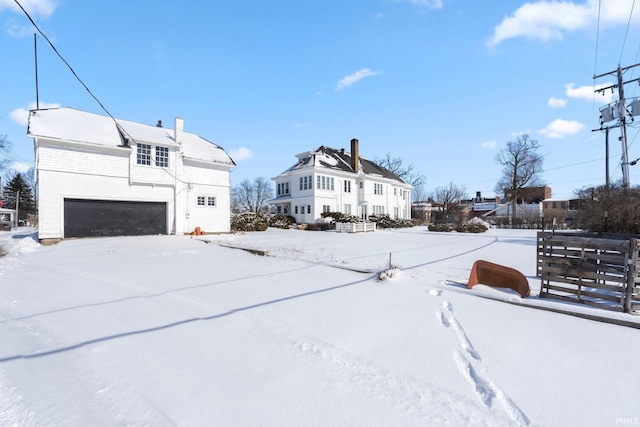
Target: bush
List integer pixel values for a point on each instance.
(249, 221)
(441, 227)
(385, 221)
(282, 221)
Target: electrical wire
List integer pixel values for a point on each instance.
(86, 87)
(627, 31)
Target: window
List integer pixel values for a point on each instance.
(347, 209)
(347, 186)
(325, 183)
(144, 154)
(282, 188)
(162, 157)
(209, 201)
(326, 208)
(308, 209)
(395, 191)
(378, 210)
(296, 210)
(301, 182)
(377, 188)
(395, 212)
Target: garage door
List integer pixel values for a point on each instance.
(89, 218)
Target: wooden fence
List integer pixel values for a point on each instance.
(596, 270)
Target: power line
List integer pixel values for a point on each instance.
(86, 87)
(627, 30)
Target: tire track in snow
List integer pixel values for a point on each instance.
(484, 388)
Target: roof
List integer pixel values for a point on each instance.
(339, 160)
(68, 124)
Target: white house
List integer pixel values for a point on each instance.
(330, 180)
(99, 176)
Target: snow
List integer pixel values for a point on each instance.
(181, 330)
(79, 126)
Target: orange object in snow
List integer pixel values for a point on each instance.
(498, 276)
(197, 232)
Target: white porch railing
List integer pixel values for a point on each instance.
(355, 227)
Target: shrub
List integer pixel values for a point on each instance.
(249, 221)
(282, 221)
(385, 221)
(441, 227)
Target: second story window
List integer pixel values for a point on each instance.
(377, 188)
(162, 157)
(143, 156)
(282, 188)
(347, 186)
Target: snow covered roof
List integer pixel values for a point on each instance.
(331, 158)
(68, 124)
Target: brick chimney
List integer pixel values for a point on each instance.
(355, 155)
(179, 130)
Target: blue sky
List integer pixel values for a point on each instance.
(443, 84)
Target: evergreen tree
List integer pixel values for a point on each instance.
(18, 185)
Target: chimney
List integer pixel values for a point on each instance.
(159, 124)
(355, 156)
(179, 130)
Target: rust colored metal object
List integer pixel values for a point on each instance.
(498, 276)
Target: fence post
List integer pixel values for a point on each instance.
(632, 262)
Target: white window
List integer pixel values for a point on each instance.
(347, 186)
(326, 208)
(347, 209)
(282, 188)
(209, 201)
(144, 154)
(162, 157)
(395, 212)
(301, 182)
(377, 188)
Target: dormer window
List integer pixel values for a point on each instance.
(144, 154)
(162, 157)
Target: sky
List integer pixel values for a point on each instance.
(105, 332)
(441, 84)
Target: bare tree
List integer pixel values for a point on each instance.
(5, 145)
(521, 168)
(396, 166)
(252, 196)
(449, 199)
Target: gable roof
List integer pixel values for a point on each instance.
(68, 124)
(340, 160)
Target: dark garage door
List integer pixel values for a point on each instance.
(90, 218)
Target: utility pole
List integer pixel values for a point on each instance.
(620, 112)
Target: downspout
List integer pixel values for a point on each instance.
(178, 136)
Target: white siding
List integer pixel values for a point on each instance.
(85, 172)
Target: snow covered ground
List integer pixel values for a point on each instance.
(168, 330)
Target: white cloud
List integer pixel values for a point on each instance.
(489, 145)
(240, 154)
(21, 115)
(432, 4)
(549, 20)
(355, 77)
(559, 128)
(588, 93)
(556, 102)
(20, 167)
(35, 8)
